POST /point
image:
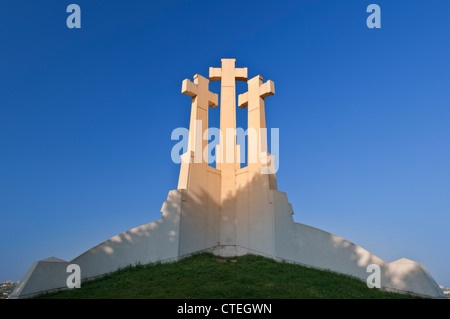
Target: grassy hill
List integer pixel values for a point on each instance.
(208, 276)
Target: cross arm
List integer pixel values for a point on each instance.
(240, 74)
(243, 100)
(192, 89)
(215, 74)
(189, 88)
(213, 99)
(265, 90)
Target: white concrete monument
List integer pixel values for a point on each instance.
(228, 210)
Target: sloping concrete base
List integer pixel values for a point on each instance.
(160, 241)
(47, 275)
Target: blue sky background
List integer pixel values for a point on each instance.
(86, 117)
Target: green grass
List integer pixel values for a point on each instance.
(207, 276)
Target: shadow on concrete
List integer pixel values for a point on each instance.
(192, 221)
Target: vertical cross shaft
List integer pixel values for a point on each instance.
(254, 99)
(228, 74)
(227, 161)
(202, 98)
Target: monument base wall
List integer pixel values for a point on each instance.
(309, 246)
(160, 241)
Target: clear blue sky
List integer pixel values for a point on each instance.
(86, 117)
